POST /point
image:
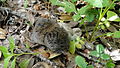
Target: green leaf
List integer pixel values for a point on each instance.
(110, 65)
(76, 17)
(95, 3)
(90, 17)
(105, 56)
(24, 63)
(109, 34)
(80, 61)
(99, 48)
(73, 1)
(69, 7)
(6, 61)
(12, 44)
(84, 9)
(112, 16)
(4, 49)
(94, 53)
(6, 54)
(72, 47)
(90, 66)
(116, 34)
(54, 2)
(13, 63)
(106, 3)
(90, 14)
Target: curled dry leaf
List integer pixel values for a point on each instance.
(2, 33)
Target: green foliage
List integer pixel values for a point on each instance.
(12, 44)
(80, 61)
(75, 43)
(110, 64)
(90, 12)
(114, 34)
(13, 63)
(99, 52)
(24, 63)
(8, 55)
(6, 61)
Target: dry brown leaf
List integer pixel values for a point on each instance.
(2, 33)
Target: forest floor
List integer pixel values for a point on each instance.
(18, 50)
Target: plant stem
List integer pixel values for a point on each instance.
(101, 16)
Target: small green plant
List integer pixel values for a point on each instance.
(75, 43)
(99, 52)
(91, 14)
(10, 55)
(80, 61)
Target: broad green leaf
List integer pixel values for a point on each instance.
(13, 63)
(98, 3)
(80, 61)
(6, 54)
(4, 49)
(106, 3)
(54, 2)
(95, 3)
(99, 48)
(90, 17)
(72, 47)
(116, 34)
(69, 7)
(76, 17)
(94, 53)
(24, 63)
(90, 14)
(84, 9)
(90, 66)
(111, 16)
(73, 1)
(12, 44)
(110, 65)
(6, 61)
(105, 56)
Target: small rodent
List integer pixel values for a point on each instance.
(49, 33)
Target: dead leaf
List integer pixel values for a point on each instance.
(2, 33)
